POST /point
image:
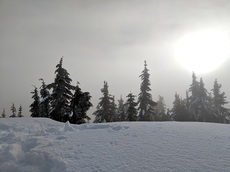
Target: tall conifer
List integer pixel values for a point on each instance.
(61, 95)
(104, 111)
(146, 104)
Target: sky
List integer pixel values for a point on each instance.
(103, 40)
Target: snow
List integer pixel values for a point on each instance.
(43, 145)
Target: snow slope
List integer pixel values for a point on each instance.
(43, 145)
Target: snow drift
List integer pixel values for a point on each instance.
(43, 145)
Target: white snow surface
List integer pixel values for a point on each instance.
(44, 145)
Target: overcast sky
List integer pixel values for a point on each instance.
(102, 40)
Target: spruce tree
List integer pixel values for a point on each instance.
(61, 94)
(179, 110)
(194, 98)
(34, 107)
(219, 100)
(161, 114)
(113, 110)
(13, 110)
(104, 111)
(200, 107)
(205, 107)
(45, 100)
(20, 111)
(80, 104)
(3, 113)
(146, 104)
(131, 111)
(121, 115)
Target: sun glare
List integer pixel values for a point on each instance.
(203, 51)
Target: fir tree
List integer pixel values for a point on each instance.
(34, 107)
(104, 112)
(131, 111)
(179, 110)
(113, 110)
(194, 98)
(61, 95)
(80, 104)
(146, 104)
(121, 116)
(161, 114)
(219, 100)
(200, 106)
(13, 110)
(45, 100)
(3, 113)
(20, 111)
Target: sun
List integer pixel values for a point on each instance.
(202, 51)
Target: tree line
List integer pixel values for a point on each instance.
(61, 101)
(14, 112)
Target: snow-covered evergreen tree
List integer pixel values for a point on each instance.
(121, 113)
(146, 104)
(45, 100)
(61, 94)
(13, 110)
(3, 113)
(200, 106)
(20, 111)
(80, 104)
(34, 107)
(219, 100)
(113, 110)
(132, 110)
(161, 114)
(104, 111)
(179, 110)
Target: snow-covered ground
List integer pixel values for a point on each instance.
(43, 145)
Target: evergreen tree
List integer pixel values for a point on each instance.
(200, 106)
(131, 111)
(121, 116)
(146, 104)
(161, 114)
(45, 100)
(3, 113)
(219, 100)
(20, 111)
(61, 95)
(194, 98)
(104, 111)
(179, 110)
(34, 107)
(13, 110)
(205, 107)
(80, 104)
(113, 110)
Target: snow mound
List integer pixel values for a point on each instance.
(43, 145)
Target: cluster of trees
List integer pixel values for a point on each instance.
(201, 105)
(60, 100)
(63, 102)
(14, 112)
(144, 109)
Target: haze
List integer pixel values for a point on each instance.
(103, 40)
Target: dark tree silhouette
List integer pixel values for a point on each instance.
(13, 110)
(219, 100)
(131, 111)
(104, 111)
(80, 104)
(61, 95)
(146, 104)
(45, 100)
(20, 111)
(34, 107)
